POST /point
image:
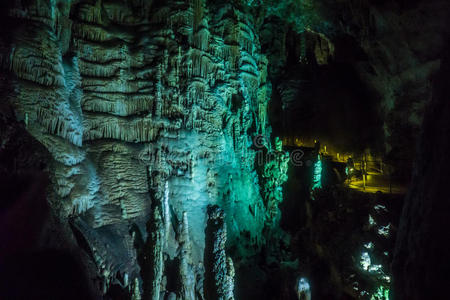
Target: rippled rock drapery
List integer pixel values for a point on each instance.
(117, 90)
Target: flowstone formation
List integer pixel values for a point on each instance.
(274, 175)
(148, 110)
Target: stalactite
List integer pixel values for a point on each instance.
(198, 8)
(37, 69)
(235, 36)
(201, 39)
(60, 125)
(158, 102)
(90, 69)
(131, 130)
(118, 105)
(91, 33)
(145, 90)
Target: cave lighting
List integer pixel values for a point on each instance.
(317, 176)
(382, 293)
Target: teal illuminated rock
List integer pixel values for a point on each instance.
(317, 175)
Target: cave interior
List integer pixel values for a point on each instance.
(241, 149)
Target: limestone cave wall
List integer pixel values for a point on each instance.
(148, 110)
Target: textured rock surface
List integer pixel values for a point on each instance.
(148, 110)
(145, 113)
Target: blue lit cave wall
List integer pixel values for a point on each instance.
(146, 148)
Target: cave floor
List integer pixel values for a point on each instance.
(377, 183)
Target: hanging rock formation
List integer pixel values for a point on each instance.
(148, 110)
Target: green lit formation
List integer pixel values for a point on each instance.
(381, 294)
(317, 176)
(274, 175)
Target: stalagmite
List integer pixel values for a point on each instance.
(154, 247)
(155, 257)
(186, 267)
(166, 210)
(136, 290)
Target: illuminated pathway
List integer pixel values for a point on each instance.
(377, 182)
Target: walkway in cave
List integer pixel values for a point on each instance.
(377, 183)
